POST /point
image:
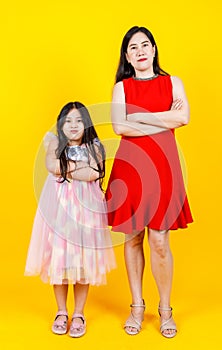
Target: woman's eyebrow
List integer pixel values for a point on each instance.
(143, 42)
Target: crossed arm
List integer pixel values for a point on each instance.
(76, 170)
(140, 124)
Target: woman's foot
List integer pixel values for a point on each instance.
(134, 321)
(167, 325)
(60, 323)
(78, 326)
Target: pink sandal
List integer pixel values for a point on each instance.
(77, 329)
(59, 326)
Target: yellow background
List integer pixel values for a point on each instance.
(53, 52)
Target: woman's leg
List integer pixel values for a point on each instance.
(162, 269)
(134, 260)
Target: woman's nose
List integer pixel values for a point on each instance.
(140, 51)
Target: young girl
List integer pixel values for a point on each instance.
(70, 242)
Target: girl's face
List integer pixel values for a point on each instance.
(73, 127)
(140, 53)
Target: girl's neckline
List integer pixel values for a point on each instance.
(144, 79)
(73, 145)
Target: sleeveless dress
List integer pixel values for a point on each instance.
(146, 186)
(70, 241)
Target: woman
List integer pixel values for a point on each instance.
(148, 104)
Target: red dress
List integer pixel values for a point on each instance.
(146, 186)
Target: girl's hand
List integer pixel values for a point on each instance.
(49, 136)
(177, 104)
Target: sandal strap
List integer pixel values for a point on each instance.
(61, 313)
(132, 322)
(139, 305)
(165, 308)
(165, 323)
(75, 315)
(166, 326)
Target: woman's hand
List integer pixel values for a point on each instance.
(177, 104)
(135, 117)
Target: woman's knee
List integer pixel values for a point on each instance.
(159, 242)
(135, 239)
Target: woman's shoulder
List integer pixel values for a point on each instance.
(177, 84)
(118, 92)
(175, 80)
(171, 81)
(118, 85)
(123, 82)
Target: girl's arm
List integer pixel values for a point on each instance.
(85, 171)
(177, 116)
(52, 162)
(76, 170)
(121, 125)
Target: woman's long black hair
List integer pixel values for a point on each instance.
(125, 69)
(90, 139)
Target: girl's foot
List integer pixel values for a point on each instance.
(78, 326)
(60, 323)
(134, 321)
(167, 325)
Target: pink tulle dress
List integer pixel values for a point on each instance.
(70, 240)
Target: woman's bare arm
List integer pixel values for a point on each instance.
(121, 125)
(177, 116)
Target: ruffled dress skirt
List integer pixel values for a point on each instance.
(70, 241)
(146, 186)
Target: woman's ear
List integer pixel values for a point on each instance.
(154, 51)
(127, 57)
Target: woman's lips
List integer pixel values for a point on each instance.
(142, 59)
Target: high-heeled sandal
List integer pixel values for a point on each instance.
(77, 329)
(59, 326)
(168, 324)
(133, 322)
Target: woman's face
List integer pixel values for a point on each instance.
(73, 127)
(140, 53)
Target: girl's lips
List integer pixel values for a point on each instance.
(142, 59)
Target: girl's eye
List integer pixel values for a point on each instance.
(79, 120)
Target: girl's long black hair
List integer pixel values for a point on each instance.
(125, 69)
(90, 139)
